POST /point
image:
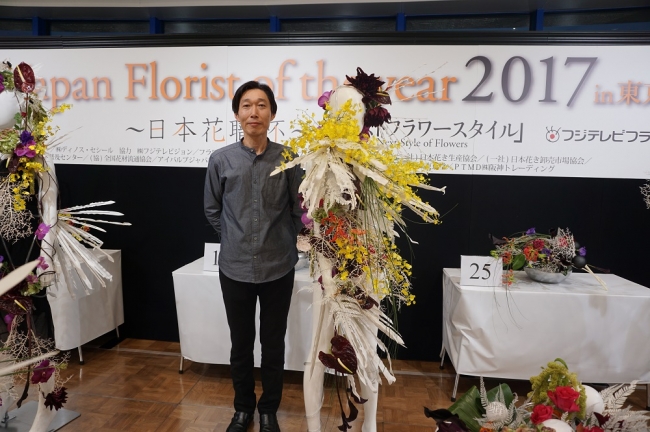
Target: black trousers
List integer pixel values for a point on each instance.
(240, 299)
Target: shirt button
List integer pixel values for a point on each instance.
(254, 200)
(255, 238)
(255, 256)
(255, 220)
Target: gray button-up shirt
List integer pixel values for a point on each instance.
(256, 215)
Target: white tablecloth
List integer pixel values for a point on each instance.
(203, 327)
(604, 336)
(88, 316)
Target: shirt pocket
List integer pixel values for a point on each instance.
(274, 192)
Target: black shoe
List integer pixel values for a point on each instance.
(269, 423)
(240, 422)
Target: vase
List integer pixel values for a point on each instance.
(545, 277)
(44, 415)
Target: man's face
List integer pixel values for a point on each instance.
(254, 113)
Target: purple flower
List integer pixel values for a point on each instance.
(42, 264)
(23, 150)
(582, 251)
(2, 87)
(305, 219)
(42, 372)
(2, 258)
(42, 231)
(26, 137)
(9, 321)
(546, 251)
(20, 150)
(324, 98)
(530, 231)
(31, 279)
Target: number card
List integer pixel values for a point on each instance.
(211, 257)
(484, 271)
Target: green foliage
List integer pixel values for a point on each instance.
(556, 374)
(518, 262)
(468, 407)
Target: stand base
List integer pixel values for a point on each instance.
(21, 419)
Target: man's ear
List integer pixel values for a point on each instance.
(236, 116)
(272, 117)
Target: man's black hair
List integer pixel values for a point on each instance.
(250, 85)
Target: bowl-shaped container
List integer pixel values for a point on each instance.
(545, 277)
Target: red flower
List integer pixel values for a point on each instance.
(376, 116)
(530, 253)
(538, 244)
(541, 413)
(24, 79)
(343, 358)
(565, 398)
(590, 429)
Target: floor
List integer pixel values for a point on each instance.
(135, 386)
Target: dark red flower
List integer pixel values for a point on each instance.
(24, 79)
(590, 429)
(541, 413)
(56, 399)
(42, 372)
(538, 244)
(343, 358)
(565, 398)
(370, 87)
(376, 116)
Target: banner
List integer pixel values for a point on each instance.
(561, 111)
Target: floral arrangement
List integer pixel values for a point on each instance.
(557, 252)
(353, 193)
(60, 235)
(558, 402)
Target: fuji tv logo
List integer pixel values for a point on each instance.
(552, 135)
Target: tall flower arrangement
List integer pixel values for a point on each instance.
(26, 137)
(353, 193)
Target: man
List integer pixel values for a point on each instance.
(258, 219)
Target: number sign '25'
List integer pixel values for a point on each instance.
(211, 257)
(481, 271)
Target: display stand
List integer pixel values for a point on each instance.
(203, 328)
(21, 419)
(602, 335)
(88, 316)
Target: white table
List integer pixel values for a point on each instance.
(203, 327)
(604, 336)
(87, 316)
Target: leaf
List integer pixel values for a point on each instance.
(439, 414)
(468, 406)
(615, 396)
(507, 394)
(497, 241)
(466, 409)
(518, 262)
